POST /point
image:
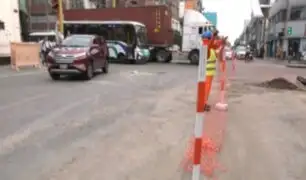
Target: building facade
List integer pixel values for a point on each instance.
(255, 30)
(41, 16)
(287, 28)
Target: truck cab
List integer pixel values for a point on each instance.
(194, 25)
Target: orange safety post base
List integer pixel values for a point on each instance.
(209, 163)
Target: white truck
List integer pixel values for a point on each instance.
(9, 26)
(193, 26)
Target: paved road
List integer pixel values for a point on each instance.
(134, 123)
(46, 124)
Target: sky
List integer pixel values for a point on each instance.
(231, 15)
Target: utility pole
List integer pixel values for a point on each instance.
(114, 3)
(286, 25)
(57, 6)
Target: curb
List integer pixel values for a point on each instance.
(296, 65)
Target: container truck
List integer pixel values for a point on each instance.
(158, 21)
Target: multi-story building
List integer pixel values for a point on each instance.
(41, 16)
(254, 34)
(287, 28)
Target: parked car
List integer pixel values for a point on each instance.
(78, 54)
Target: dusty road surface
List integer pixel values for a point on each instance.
(134, 124)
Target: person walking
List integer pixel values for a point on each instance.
(46, 46)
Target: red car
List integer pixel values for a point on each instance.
(78, 54)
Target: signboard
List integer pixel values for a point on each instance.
(289, 30)
(190, 4)
(194, 4)
(211, 17)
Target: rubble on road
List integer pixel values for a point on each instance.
(279, 83)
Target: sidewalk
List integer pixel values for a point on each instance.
(293, 63)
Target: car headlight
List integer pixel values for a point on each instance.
(80, 55)
(51, 54)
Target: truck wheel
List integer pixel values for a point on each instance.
(121, 58)
(169, 58)
(162, 55)
(194, 57)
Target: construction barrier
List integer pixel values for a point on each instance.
(25, 54)
(201, 154)
(222, 105)
(198, 127)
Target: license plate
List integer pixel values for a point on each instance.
(63, 66)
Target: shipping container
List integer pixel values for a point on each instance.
(157, 19)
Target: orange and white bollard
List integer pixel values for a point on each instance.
(222, 105)
(198, 127)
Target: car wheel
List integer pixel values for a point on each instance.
(105, 67)
(89, 71)
(55, 76)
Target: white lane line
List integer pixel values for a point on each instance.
(104, 82)
(9, 143)
(22, 101)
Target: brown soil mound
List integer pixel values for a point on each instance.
(279, 83)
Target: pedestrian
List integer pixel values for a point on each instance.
(46, 46)
(210, 64)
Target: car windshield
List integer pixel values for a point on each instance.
(241, 48)
(77, 41)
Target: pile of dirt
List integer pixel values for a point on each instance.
(279, 83)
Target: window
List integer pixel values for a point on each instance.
(303, 14)
(77, 4)
(296, 13)
(2, 25)
(99, 3)
(77, 41)
(141, 33)
(38, 1)
(283, 15)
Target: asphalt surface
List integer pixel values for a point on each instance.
(134, 123)
(41, 118)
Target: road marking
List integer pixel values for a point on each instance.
(22, 101)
